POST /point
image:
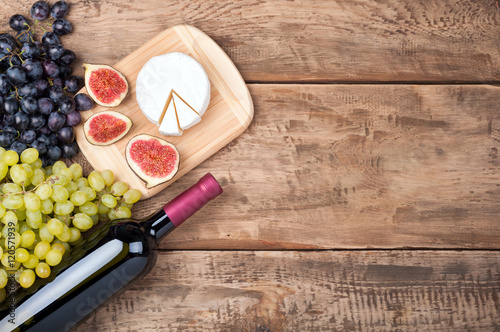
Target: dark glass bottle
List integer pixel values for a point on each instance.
(104, 265)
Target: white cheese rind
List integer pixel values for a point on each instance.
(186, 116)
(172, 71)
(169, 125)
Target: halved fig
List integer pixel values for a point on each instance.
(105, 85)
(153, 159)
(106, 127)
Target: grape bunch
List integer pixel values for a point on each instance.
(44, 211)
(38, 105)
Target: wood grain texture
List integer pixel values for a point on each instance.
(229, 113)
(346, 166)
(310, 291)
(306, 41)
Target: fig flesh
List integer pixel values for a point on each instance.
(105, 85)
(106, 127)
(152, 159)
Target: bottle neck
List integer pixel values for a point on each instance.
(178, 210)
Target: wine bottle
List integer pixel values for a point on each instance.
(103, 266)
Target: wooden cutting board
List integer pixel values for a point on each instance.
(229, 113)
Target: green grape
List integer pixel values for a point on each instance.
(66, 246)
(95, 219)
(75, 234)
(4, 169)
(31, 262)
(21, 255)
(15, 235)
(63, 208)
(83, 222)
(29, 155)
(18, 174)
(58, 179)
(27, 278)
(41, 249)
(28, 170)
(64, 219)
(96, 181)
(53, 257)
(59, 194)
(65, 235)
(44, 234)
(34, 219)
(103, 216)
(21, 213)
(108, 200)
(123, 212)
(11, 188)
(2, 210)
(112, 215)
(119, 188)
(36, 164)
(66, 172)
(82, 183)
(44, 191)
(132, 196)
(27, 238)
(42, 270)
(13, 202)
(48, 170)
(59, 246)
(23, 227)
(78, 198)
(101, 209)
(77, 171)
(58, 166)
(10, 157)
(38, 177)
(9, 219)
(47, 206)
(91, 194)
(4, 278)
(32, 202)
(88, 208)
(55, 226)
(71, 187)
(108, 177)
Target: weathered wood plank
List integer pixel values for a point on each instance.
(310, 291)
(354, 167)
(306, 41)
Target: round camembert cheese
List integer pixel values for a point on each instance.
(173, 92)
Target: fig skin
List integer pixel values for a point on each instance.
(91, 69)
(151, 181)
(91, 140)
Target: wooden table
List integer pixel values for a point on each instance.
(365, 194)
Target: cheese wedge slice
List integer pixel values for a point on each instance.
(172, 72)
(186, 114)
(170, 123)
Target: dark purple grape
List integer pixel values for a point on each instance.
(73, 119)
(18, 22)
(44, 138)
(25, 37)
(42, 47)
(65, 135)
(45, 106)
(41, 147)
(18, 147)
(15, 60)
(50, 68)
(50, 38)
(37, 121)
(27, 136)
(61, 27)
(40, 10)
(21, 120)
(10, 130)
(53, 139)
(57, 81)
(83, 102)
(29, 105)
(28, 90)
(56, 121)
(8, 119)
(67, 58)
(69, 150)
(6, 46)
(65, 71)
(59, 9)
(4, 63)
(56, 93)
(67, 105)
(10, 105)
(4, 84)
(54, 52)
(10, 39)
(33, 68)
(30, 50)
(6, 139)
(42, 87)
(54, 152)
(16, 75)
(74, 83)
(45, 130)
